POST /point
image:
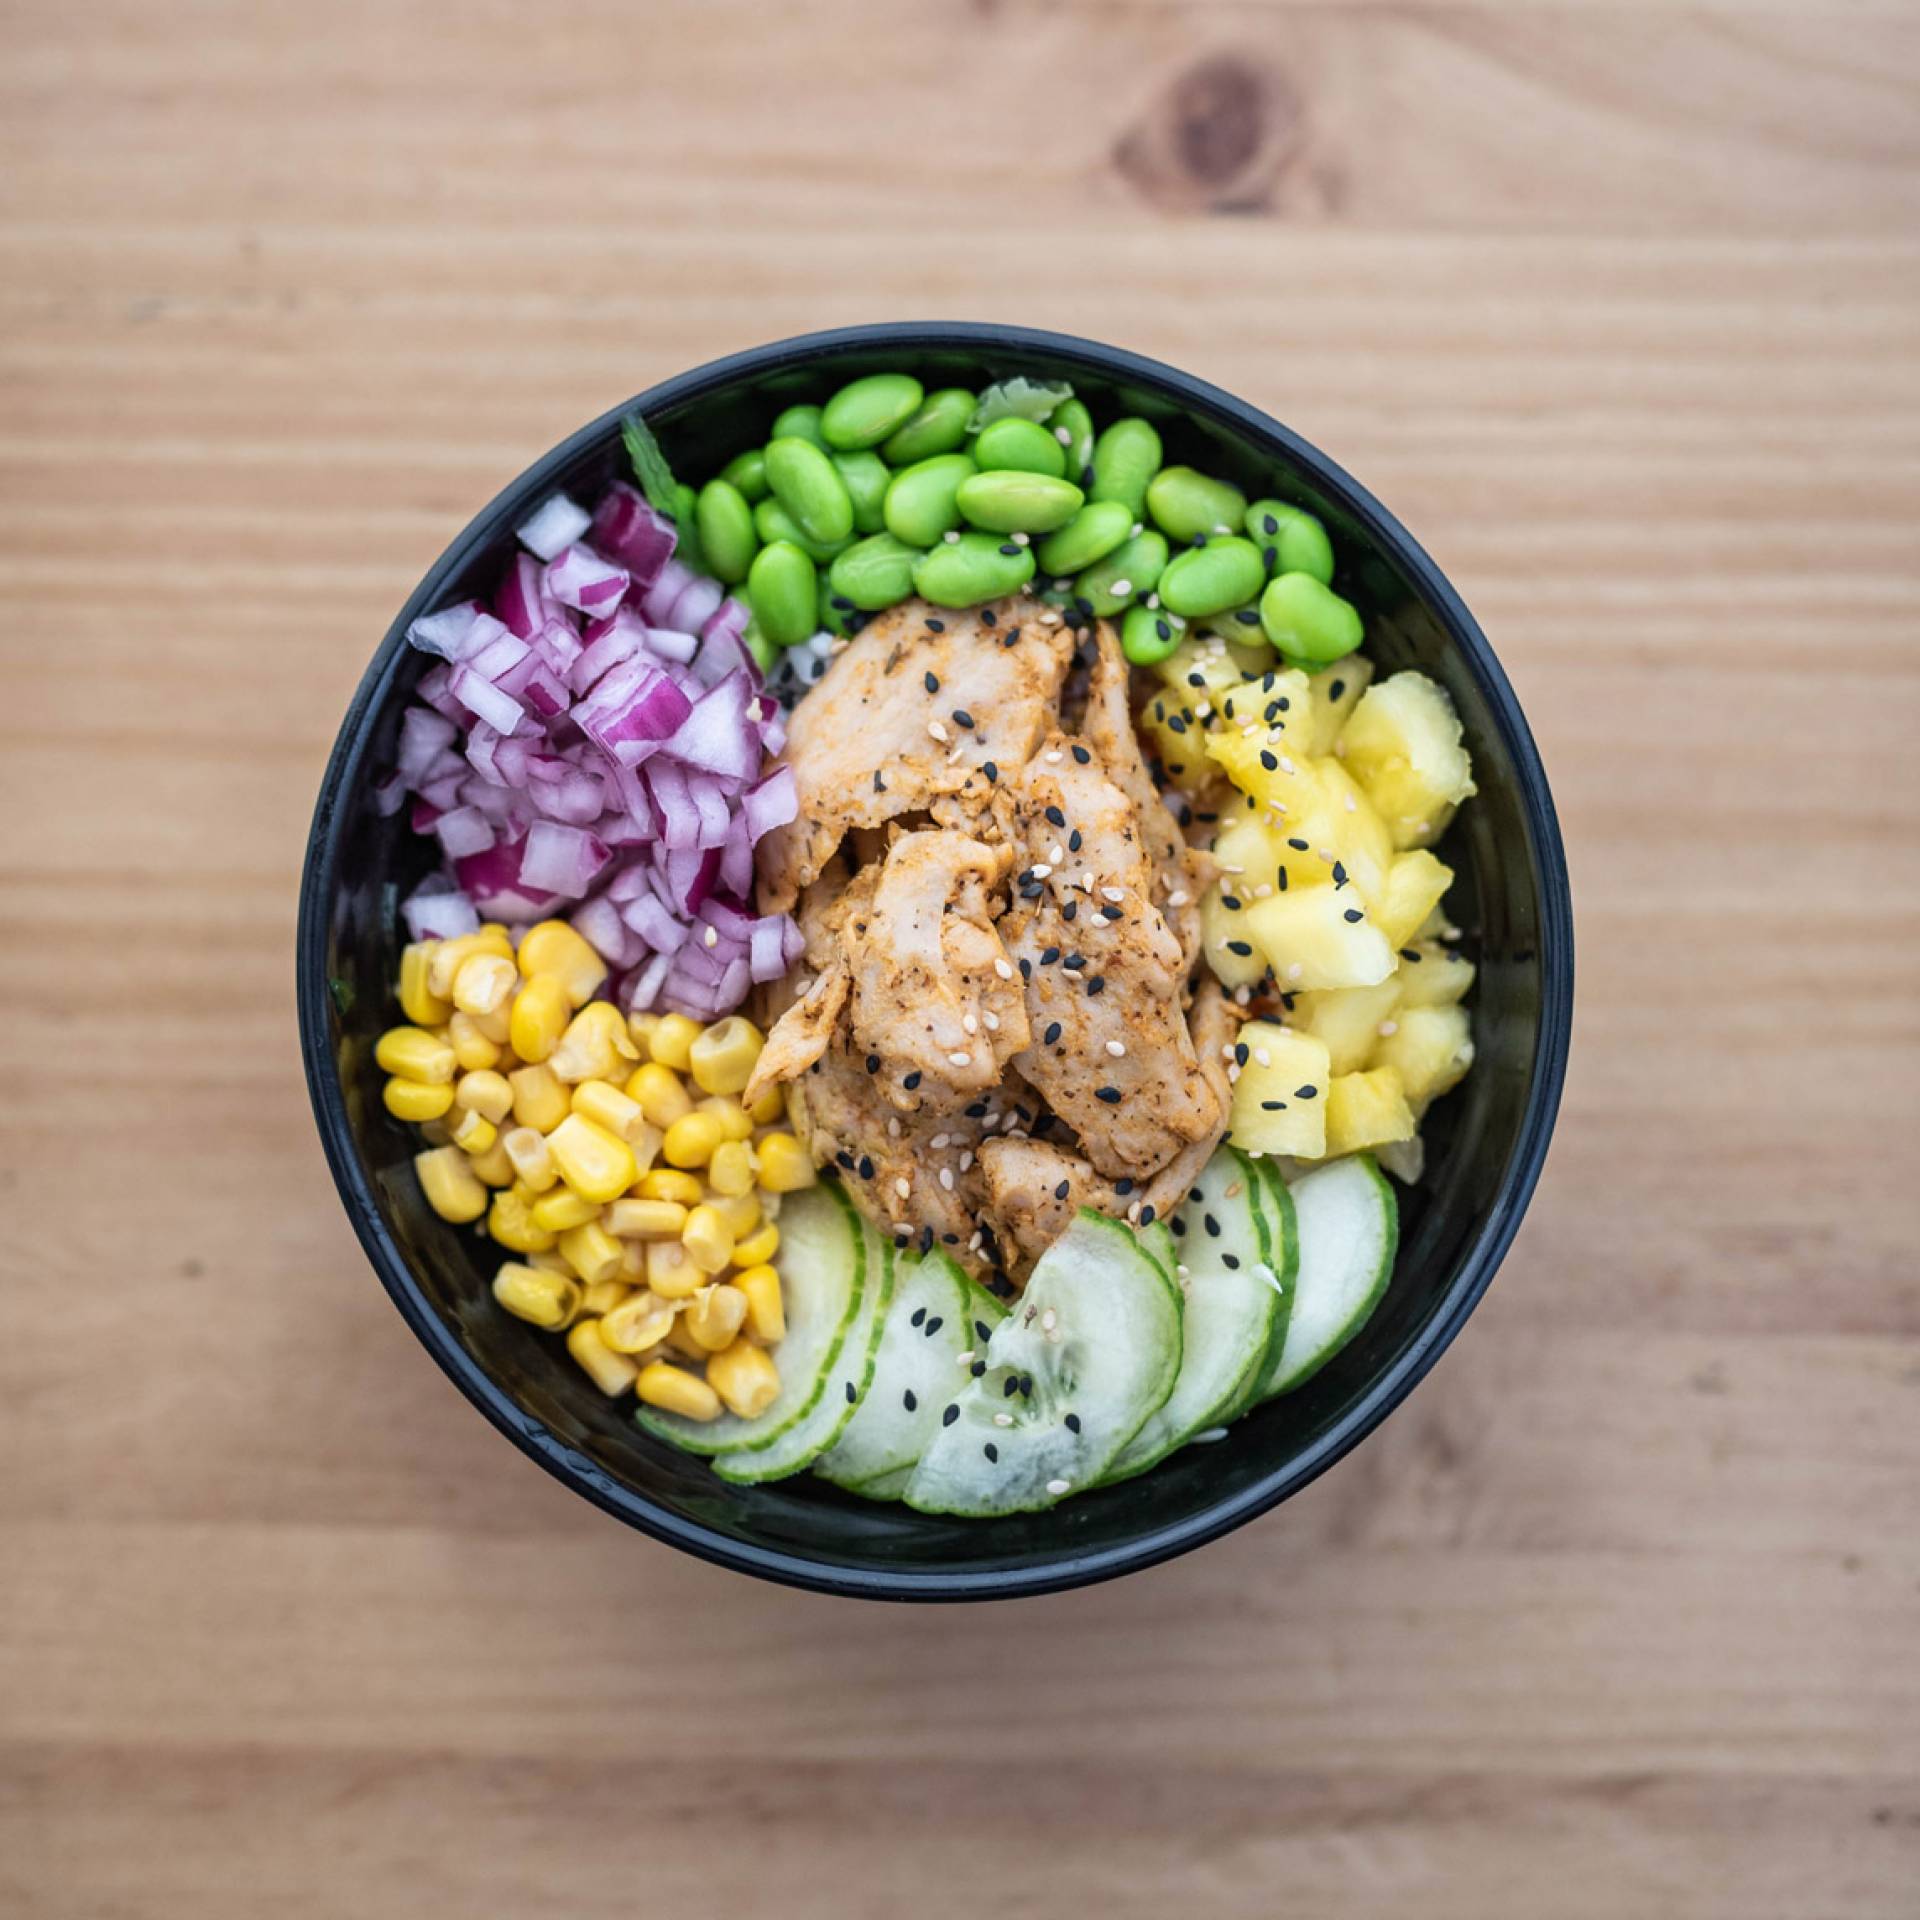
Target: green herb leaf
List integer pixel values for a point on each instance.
(1029, 399)
(649, 465)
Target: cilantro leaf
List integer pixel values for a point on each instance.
(1029, 399)
(649, 465)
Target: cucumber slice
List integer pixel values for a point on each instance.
(1282, 1229)
(1234, 1301)
(823, 1266)
(889, 1486)
(928, 1329)
(848, 1379)
(1088, 1354)
(1349, 1224)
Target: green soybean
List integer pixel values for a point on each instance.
(1071, 418)
(782, 594)
(973, 568)
(865, 412)
(1307, 621)
(831, 610)
(1290, 540)
(773, 522)
(724, 522)
(1125, 459)
(1241, 629)
(939, 425)
(686, 520)
(920, 506)
(865, 477)
(874, 573)
(1090, 535)
(1210, 579)
(802, 423)
(1011, 501)
(764, 652)
(1148, 636)
(1021, 445)
(1130, 572)
(1194, 506)
(747, 472)
(809, 486)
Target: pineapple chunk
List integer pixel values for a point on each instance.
(1279, 703)
(1403, 745)
(1431, 1049)
(1280, 1098)
(1348, 1020)
(1319, 937)
(1366, 1110)
(1199, 668)
(1357, 833)
(1436, 978)
(1177, 734)
(1336, 691)
(1406, 1160)
(1415, 885)
(1247, 860)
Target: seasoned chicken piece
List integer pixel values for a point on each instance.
(1105, 976)
(1034, 1189)
(801, 1034)
(1214, 1022)
(905, 713)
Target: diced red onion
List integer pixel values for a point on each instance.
(464, 831)
(667, 586)
(484, 700)
(697, 602)
(561, 859)
(557, 522)
(625, 527)
(579, 577)
(600, 923)
(736, 859)
(455, 633)
(716, 734)
(631, 709)
(390, 794)
(643, 990)
(442, 914)
(770, 802)
(424, 736)
(655, 923)
(664, 644)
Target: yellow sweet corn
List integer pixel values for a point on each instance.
(510, 1221)
(766, 1311)
(415, 1100)
(453, 1189)
(663, 1099)
(549, 1300)
(735, 1122)
(770, 1107)
(415, 1054)
(715, 1315)
(493, 1166)
(562, 1209)
(554, 947)
(549, 1261)
(647, 1219)
(418, 1001)
(606, 1106)
(690, 1141)
(641, 1321)
(473, 1046)
(532, 1158)
(484, 1092)
(745, 1378)
(674, 1390)
(739, 1211)
(472, 1132)
(785, 1166)
(594, 1045)
(721, 1059)
(708, 1240)
(613, 1373)
(539, 1100)
(633, 1260)
(596, 1164)
(484, 983)
(539, 1017)
(603, 1296)
(670, 1273)
(730, 1171)
(756, 1248)
(450, 955)
(668, 1183)
(671, 1042)
(591, 1251)
(641, 1026)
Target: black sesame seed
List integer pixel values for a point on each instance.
(1231, 1261)
(935, 626)
(845, 1159)
(981, 1331)
(919, 1317)
(951, 1415)
(1009, 548)
(1280, 879)
(879, 785)
(1026, 969)
(1200, 680)
(1073, 1423)
(866, 1166)
(1011, 1387)
(1073, 841)
(934, 1325)
(991, 1451)
(1212, 1226)
(909, 1400)
(1082, 755)
(977, 1111)
(1179, 1227)
(1146, 1216)
(1268, 524)
(1305, 1093)
(1164, 631)
(1241, 1053)
(978, 1368)
(1123, 1186)
(1247, 617)
(1352, 914)
(1063, 1189)
(1111, 912)
(933, 682)
(1408, 954)
(1299, 846)
(988, 618)
(901, 1237)
(1178, 723)
(962, 718)
(990, 770)
(873, 1063)
(1097, 984)
(1058, 818)
(926, 1239)
(1026, 1386)
(853, 1394)
(1241, 948)
(912, 1080)
(1268, 761)
(1339, 876)
(1074, 962)
(1049, 956)
(1336, 690)
(1052, 1034)
(1070, 910)
(1231, 902)
(1111, 1095)
(1273, 1106)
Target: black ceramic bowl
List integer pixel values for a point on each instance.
(1485, 1142)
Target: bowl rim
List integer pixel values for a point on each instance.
(1071, 1569)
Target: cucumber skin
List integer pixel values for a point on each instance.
(1277, 1217)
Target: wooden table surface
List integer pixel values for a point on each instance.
(1619, 307)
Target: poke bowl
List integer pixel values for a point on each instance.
(935, 962)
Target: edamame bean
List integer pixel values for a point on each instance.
(833, 613)
(865, 477)
(1010, 501)
(809, 486)
(973, 568)
(865, 412)
(764, 652)
(724, 522)
(1194, 506)
(919, 506)
(939, 425)
(748, 473)
(874, 573)
(782, 593)
(1308, 621)
(1239, 626)
(1072, 427)
(1019, 445)
(1092, 533)
(1210, 579)
(686, 521)
(773, 522)
(1147, 636)
(802, 422)
(1125, 459)
(1130, 572)
(1290, 540)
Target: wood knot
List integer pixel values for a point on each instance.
(1216, 139)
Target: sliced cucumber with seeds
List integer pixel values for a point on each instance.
(921, 1365)
(1086, 1357)
(823, 1274)
(1235, 1298)
(1282, 1233)
(1349, 1227)
(889, 1486)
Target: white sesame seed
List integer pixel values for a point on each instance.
(1220, 526)
(1003, 1419)
(941, 1140)
(1023, 539)
(1003, 970)
(992, 1019)
(938, 731)
(1295, 971)
(1262, 890)
(1233, 1073)
(1118, 1048)
(1039, 870)
(1224, 868)
(1177, 898)
(957, 1059)
(951, 538)
(966, 1359)
(711, 937)
(1327, 854)
(1059, 1486)
(1054, 756)
(1133, 1214)
(1263, 1056)
(1056, 853)
(1287, 766)
(1049, 618)
(1136, 530)
(966, 1161)
(1153, 606)
(903, 1187)
(1388, 1028)
(893, 1129)
(1049, 1320)
(1121, 588)
(1064, 435)
(973, 1244)
(1086, 879)
(1242, 995)
(1115, 894)
(969, 1023)
(946, 1178)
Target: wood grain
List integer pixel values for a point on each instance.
(1619, 306)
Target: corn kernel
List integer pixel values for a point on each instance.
(745, 1377)
(770, 1107)
(708, 1240)
(484, 983)
(473, 1046)
(670, 1273)
(493, 1166)
(613, 1373)
(554, 947)
(414, 1054)
(647, 1219)
(539, 1017)
(484, 1092)
(562, 1209)
(663, 1099)
(690, 1141)
(510, 1221)
(640, 1026)
(671, 1042)
(452, 1187)
(418, 1002)
(674, 1390)
(602, 1297)
(450, 955)
(735, 1122)
(668, 1183)
(532, 1158)
(473, 1132)
(549, 1300)
(548, 1260)
(740, 1211)
(591, 1251)
(595, 1043)
(730, 1171)
(414, 1100)
(785, 1166)
(633, 1260)
(539, 1100)
(756, 1249)
(606, 1106)
(596, 1164)
(715, 1315)
(766, 1311)
(721, 1059)
(641, 1321)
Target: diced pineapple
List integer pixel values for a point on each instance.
(1176, 735)
(1319, 937)
(1415, 884)
(1366, 1110)
(1348, 1020)
(1356, 831)
(1245, 853)
(1431, 1049)
(1279, 704)
(1402, 744)
(1199, 668)
(1406, 1160)
(1336, 692)
(1280, 1098)
(1436, 978)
